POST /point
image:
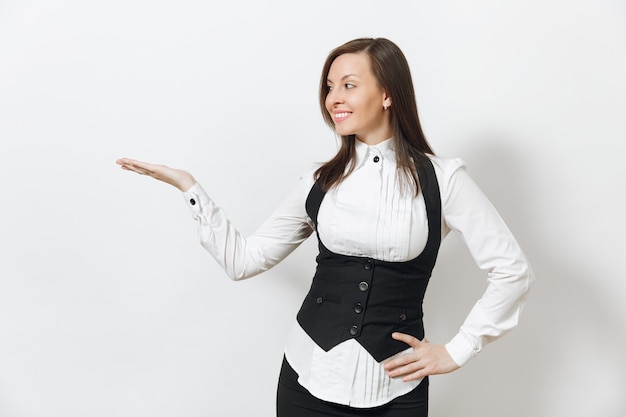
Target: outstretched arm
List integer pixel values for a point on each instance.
(239, 255)
(179, 178)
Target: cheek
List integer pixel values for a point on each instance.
(375, 106)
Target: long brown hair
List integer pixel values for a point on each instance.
(391, 69)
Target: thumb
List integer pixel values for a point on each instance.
(406, 338)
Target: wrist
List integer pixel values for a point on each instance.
(186, 184)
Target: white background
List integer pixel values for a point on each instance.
(110, 307)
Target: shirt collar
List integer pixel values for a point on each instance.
(363, 150)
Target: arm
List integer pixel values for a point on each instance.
(245, 256)
(468, 212)
(240, 256)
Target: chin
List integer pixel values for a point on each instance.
(344, 132)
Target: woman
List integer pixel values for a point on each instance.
(379, 208)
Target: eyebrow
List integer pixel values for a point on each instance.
(344, 77)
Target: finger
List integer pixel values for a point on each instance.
(139, 167)
(407, 358)
(135, 163)
(419, 374)
(398, 363)
(135, 168)
(142, 165)
(406, 338)
(404, 370)
(408, 372)
(127, 161)
(401, 361)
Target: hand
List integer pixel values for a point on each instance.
(426, 359)
(176, 177)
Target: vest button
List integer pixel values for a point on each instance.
(402, 316)
(358, 308)
(319, 300)
(368, 264)
(354, 330)
(363, 286)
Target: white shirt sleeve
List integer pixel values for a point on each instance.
(245, 256)
(468, 212)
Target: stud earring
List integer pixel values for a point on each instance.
(385, 107)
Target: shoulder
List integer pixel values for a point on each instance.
(452, 176)
(307, 178)
(308, 174)
(446, 167)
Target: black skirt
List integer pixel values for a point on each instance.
(293, 400)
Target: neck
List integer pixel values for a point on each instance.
(373, 141)
(378, 136)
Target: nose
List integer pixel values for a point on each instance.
(333, 98)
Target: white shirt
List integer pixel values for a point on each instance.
(367, 215)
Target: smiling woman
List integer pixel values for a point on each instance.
(380, 208)
(354, 100)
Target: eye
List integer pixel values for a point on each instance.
(329, 87)
(349, 86)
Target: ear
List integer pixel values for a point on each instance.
(386, 101)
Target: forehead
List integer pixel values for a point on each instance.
(350, 64)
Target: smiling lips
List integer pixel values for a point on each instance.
(340, 116)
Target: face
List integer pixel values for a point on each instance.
(355, 101)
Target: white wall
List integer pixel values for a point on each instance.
(110, 307)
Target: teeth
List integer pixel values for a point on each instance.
(342, 115)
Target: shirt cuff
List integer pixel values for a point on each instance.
(196, 198)
(461, 349)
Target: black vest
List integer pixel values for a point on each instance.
(368, 299)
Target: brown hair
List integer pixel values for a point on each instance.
(392, 72)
